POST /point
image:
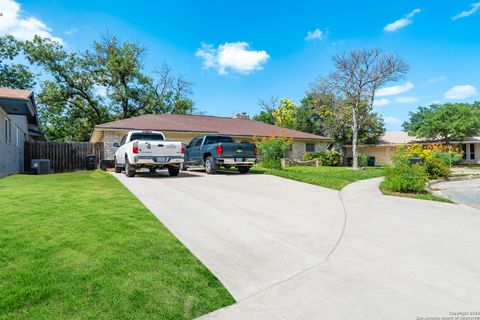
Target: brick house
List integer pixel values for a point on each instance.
(18, 123)
(390, 141)
(185, 127)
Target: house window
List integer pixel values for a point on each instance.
(310, 147)
(472, 151)
(8, 130)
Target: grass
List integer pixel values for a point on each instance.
(81, 246)
(329, 177)
(421, 196)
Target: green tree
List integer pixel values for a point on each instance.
(445, 121)
(264, 116)
(332, 117)
(357, 76)
(69, 104)
(100, 85)
(279, 112)
(13, 75)
(285, 115)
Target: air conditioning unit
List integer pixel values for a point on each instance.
(41, 166)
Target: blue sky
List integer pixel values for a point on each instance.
(238, 51)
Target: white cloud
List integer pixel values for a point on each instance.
(460, 92)
(392, 120)
(14, 22)
(316, 34)
(381, 102)
(394, 90)
(464, 14)
(406, 100)
(232, 56)
(71, 31)
(437, 79)
(401, 23)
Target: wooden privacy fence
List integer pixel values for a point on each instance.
(64, 156)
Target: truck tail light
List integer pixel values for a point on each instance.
(219, 150)
(183, 150)
(255, 150)
(135, 147)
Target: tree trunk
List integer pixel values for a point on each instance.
(354, 139)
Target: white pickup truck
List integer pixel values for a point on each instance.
(148, 149)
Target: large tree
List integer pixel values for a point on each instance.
(105, 83)
(357, 76)
(13, 74)
(332, 117)
(70, 105)
(444, 121)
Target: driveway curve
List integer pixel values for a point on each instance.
(312, 253)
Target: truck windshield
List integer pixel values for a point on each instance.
(217, 139)
(146, 136)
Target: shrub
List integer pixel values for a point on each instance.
(436, 167)
(327, 157)
(362, 160)
(271, 150)
(402, 176)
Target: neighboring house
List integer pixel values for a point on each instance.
(18, 123)
(390, 141)
(185, 127)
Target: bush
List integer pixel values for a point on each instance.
(402, 176)
(436, 168)
(327, 158)
(362, 160)
(271, 150)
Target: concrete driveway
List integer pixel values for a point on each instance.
(252, 231)
(288, 250)
(463, 191)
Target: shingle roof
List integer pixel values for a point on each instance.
(15, 94)
(209, 124)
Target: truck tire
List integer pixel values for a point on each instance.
(118, 168)
(152, 170)
(173, 171)
(130, 170)
(210, 166)
(243, 170)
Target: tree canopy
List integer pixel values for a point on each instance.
(105, 83)
(357, 76)
(12, 74)
(444, 121)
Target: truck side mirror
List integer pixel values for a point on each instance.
(116, 145)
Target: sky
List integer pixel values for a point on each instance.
(236, 52)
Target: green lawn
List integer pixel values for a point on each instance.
(329, 177)
(81, 246)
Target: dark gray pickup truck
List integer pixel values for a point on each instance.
(214, 151)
